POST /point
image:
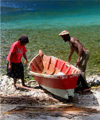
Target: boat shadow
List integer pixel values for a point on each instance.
(83, 99)
(87, 98)
(70, 100)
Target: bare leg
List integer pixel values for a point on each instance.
(23, 81)
(15, 80)
(83, 82)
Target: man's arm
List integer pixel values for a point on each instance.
(9, 65)
(71, 52)
(25, 57)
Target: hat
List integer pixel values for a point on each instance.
(64, 33)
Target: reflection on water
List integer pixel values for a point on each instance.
(50, 112)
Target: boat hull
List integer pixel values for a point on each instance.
(63, 93)
(54, 75)
(58, 82)
(62, 86)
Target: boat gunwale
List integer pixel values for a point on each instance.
(55, 76)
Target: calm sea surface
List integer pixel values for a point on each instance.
(42, 20)
(49, 13)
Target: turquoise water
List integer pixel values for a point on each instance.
(42, 20)
(49, 13)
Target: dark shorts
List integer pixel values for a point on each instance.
(17, 70)
(83, 62)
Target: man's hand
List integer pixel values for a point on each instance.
(9, 67)
(78, 61)
(67, 64)
(26, 61)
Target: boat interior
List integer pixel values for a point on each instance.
(51, 65)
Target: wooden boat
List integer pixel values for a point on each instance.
(54, 75)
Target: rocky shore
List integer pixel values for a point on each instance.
(7, 87)
(35, 93)
(37, 96)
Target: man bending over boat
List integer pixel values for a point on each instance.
(15, 67)
(83, 56)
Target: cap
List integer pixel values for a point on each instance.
(65, 32)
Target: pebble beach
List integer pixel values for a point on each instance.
(22, 102)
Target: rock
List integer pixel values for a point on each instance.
(7, 88)
(38, 97)
(93, 80)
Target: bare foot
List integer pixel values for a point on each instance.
(15, 87)
(87, 90)
(24, 85)
(79, 91)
